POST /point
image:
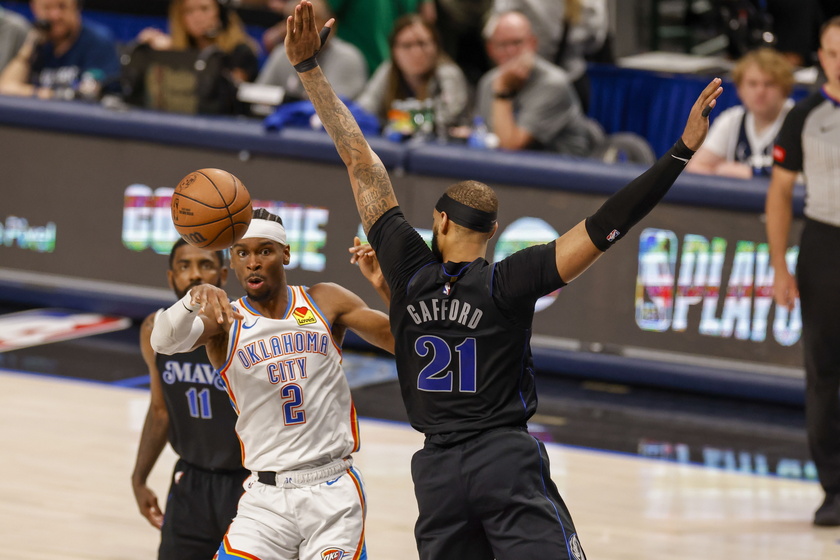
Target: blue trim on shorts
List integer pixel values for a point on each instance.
(547, 497)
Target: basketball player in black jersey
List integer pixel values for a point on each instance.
(191, 409)
(462, 328)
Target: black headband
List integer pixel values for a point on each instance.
(466, 216)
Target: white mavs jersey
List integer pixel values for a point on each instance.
(286, 382)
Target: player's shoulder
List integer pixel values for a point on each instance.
(808, 104)
(149, 322)
(324, 290)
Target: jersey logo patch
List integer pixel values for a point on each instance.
(613, 235)
(244, 326)
(303, 316)
(779, 154)
(575, 548)
(333, 554)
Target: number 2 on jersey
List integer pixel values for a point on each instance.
(435, 376)
(293, 396)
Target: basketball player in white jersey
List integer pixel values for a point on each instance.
(278, 351)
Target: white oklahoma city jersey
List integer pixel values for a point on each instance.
(286, 382)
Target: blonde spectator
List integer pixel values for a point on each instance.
(741, 138)
(199, 24)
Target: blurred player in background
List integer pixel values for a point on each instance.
(278, 352)
(462, 327)
(191, 409)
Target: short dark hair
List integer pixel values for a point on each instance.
(475, 195)
(181, 242)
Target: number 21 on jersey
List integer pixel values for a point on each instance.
(437, 376)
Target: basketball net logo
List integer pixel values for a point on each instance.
(332, 554)
(304, 316)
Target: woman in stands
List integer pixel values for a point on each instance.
(417, 70)
(204, 25)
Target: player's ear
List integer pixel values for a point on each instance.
(170, 278)
(493, 231)
(443, 225)
(286, 255)
(223, 275)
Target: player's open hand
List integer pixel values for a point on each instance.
(302, 39)
(365, 257)
(698, 119)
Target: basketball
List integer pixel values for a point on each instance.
(211, 209)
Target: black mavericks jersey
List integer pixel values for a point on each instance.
(462, 330)
(201, 417)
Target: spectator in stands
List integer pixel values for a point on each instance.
(274, 35)
(368, 24)
(199, 24)
(567, 31)
(64, 58)
(343, 64)
(459, 25)
(417, 69)
(740, 141)
(528, 102)
(13, 31)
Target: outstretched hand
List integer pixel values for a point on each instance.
(698, 119)
(365, 257)
(302, 39)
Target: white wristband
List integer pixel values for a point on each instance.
(177, 328)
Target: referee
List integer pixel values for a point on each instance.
(809, 141)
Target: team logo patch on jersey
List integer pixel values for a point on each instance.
(333, 554)
(779, 154)
(303, 316)
(575, 548)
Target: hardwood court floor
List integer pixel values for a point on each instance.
(68, 449)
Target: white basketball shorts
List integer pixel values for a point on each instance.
(317, 514)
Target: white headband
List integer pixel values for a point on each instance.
(267, 229)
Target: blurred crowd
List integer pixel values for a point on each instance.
(491, 73)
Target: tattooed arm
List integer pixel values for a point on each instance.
(368, 177)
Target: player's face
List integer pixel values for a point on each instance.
(415, 52)
(511, 38)
(192, 266)
(62, 15)
(201, 17)
(829, 55)
(258, 264)
(760, 93)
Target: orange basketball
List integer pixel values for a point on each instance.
(211, 209)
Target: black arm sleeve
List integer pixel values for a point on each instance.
(400, 249)
(628, 206)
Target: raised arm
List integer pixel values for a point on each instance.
(370, 182)
(586, 242)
